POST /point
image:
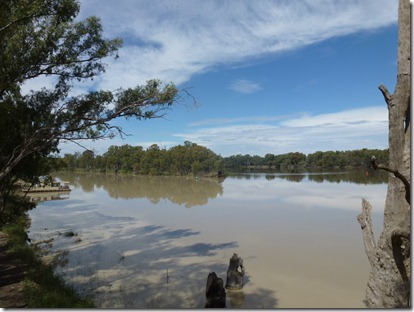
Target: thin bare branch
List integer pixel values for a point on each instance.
(397, 174)
(80, 145)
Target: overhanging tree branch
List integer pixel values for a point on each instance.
(397, 174)
(86, 117)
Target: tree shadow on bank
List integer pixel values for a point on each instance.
(151, 267)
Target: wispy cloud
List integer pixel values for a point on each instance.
(245, 120)
(245, 86)
(365, 127)
(344, 130)
(353, 116)
(173, 40)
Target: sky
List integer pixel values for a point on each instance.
(268, 76)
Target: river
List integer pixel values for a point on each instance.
(150, 242)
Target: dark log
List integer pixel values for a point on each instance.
(235, 273)
(215, 292)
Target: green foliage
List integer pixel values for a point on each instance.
(41, 37)
(356, 158)
(46, 290)
(279, 162)
(299, 161)
(16, 240)
(178, 160)
(43, 288)
(191, 158)
(12, 207)
(44, 38)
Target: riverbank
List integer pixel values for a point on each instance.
(12, 293)
(28, 282)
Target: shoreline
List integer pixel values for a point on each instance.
(12, 292)
(27, 281)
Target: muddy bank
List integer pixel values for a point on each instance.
(12, 270)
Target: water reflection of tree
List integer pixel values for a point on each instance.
(352, 176)
(293, 177)
(86, 182)
(360, 177)
(187, 191)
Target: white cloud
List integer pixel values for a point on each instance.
(365, 127)
(98, 147)
(249, 119)
(345, 130)
(355, 116)
(173, 40)
(245, 86)
(38, 83)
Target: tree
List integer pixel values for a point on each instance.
(86, 160)
(269, 159)
(70, 161)
(42, 38)
(390, 274)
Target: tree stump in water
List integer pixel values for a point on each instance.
(235, 273)
(215, 292)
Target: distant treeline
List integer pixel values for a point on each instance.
(178, 160)
(191, 158)
(317, 160)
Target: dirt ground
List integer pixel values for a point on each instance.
(11, 278)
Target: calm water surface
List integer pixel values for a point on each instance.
(150, 242)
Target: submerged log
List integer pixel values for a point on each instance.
(215, 292)
(235, 273)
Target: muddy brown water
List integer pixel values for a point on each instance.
(150, 242)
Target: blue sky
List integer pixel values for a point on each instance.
(268, 76)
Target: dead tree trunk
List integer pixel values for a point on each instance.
(389, 279)
(235, 273)
(215, 292)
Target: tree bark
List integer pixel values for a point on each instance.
(389, 279)
(365, 221)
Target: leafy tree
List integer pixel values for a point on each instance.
(138, 153)
(180, 164)
(150, 161)
(70, 161)
(86, 160)
(178, 160)
(42, 38)
(269, 159)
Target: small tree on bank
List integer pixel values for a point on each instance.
(390, 274)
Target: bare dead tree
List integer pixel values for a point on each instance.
(390, 274)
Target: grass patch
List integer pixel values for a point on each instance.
(43, 288)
